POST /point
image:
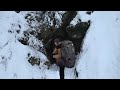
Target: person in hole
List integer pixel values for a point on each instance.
(57, 55)
(64, 53)
(57, 51)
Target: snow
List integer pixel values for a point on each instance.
(100, 57)
(13, 55)
(81, 15)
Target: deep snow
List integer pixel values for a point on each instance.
(101, 53)
(100, 57)
(13, 54)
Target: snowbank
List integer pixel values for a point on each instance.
(13, 55)
(100, 57)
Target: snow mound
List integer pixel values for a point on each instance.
(14, 55)
(100, 57)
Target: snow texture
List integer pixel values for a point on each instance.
(99, 59)
(13, 55)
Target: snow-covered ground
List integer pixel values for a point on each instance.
(13, 55)
(100, 57)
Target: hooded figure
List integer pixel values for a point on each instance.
(57, 51)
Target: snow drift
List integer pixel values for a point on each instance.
(13, 55)
(100, 58)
